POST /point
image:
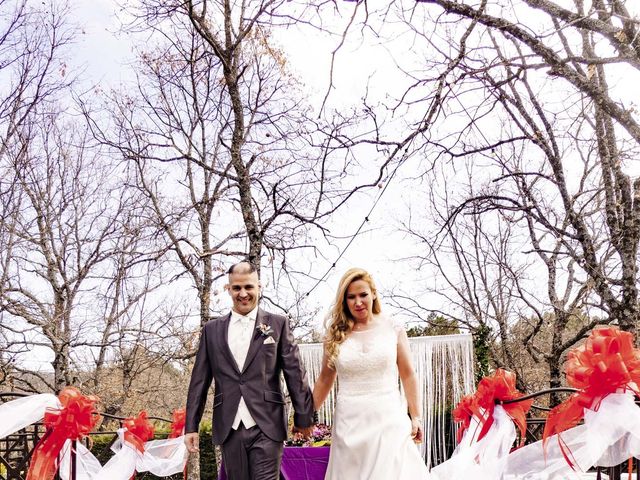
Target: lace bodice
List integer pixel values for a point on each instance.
(371, 431)
(366, 362)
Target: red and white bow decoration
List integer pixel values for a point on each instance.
(75, 418)
(179, 421)
(605, 364)
(492, 389)
(138, 430)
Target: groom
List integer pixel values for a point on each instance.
(243, 352)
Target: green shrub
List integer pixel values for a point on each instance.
(208, 464)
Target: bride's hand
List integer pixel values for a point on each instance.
(416, 430)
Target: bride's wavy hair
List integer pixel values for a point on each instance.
(340, 321)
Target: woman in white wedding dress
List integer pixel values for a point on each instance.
(372, 436)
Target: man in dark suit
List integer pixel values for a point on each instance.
(244, 352)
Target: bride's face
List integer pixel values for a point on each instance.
(360, 300)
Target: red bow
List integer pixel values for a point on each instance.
(179, 421)
(73, 421)
(464, 411)
(497, 387)
(138, 430)
(606, 362)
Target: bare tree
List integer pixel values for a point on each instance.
(477, 274)
(69, 238)
(586, 132)
(33, 40)
(233, 162)
(494, 275)
(529, 107)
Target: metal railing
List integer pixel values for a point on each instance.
(16, 449)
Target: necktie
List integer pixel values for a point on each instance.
(245, 322)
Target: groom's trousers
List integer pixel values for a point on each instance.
(248, 454)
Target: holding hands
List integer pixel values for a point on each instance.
(306, 432)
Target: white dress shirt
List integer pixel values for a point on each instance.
(241, 329)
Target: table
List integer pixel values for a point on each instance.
(299, 463)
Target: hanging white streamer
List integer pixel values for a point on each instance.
(123, 464)
(22, 412)
(483, 459)
(164, 457)
(87, 465)
(444, 369)
(311, 354)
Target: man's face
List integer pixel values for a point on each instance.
(244, 289)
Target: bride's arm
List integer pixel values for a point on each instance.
(323, 384)
(410, 385)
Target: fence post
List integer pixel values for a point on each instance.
(74, 446)
(193, 466)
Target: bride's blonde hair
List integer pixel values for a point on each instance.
(340, 322)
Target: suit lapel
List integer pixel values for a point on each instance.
(223, 342)
(257, 339)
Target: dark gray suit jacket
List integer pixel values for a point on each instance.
(258, 380)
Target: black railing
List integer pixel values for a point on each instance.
(16, 449)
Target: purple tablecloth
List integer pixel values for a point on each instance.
(299, 463)
(304, 463)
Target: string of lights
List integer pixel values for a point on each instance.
(357, 232)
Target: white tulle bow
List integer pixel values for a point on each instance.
(608, 437)
(484, 459)
(161, 457)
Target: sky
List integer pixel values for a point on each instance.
(105, 53)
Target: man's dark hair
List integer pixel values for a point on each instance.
(248, 268)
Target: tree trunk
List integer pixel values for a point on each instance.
(555, 380)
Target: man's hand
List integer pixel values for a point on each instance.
(192, 442)
(304, 431)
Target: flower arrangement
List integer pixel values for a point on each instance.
(321, 437)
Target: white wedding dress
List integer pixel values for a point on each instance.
(371, 432)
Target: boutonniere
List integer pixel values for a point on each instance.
(264, 329)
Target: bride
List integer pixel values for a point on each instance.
(372, 435)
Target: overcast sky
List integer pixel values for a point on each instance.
(107, 52)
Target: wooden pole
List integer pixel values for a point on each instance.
(193, 467)
(74, 446)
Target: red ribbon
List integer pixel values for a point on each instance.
(73, 421)
(464, 411)
(138, 430)
(497, 387)
(606, 362)
(179, 421)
